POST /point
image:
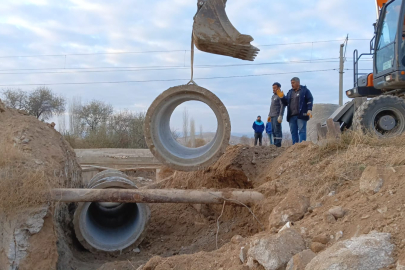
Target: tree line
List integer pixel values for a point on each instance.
(93, 124)
(90, 125)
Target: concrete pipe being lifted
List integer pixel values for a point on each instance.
(159, 136)
(110, 226)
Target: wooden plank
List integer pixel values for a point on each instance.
(156, 196)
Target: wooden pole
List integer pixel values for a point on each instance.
(156, 196)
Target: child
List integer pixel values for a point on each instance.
(269, 132)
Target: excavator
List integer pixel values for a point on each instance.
(378, 98)
(378, 104)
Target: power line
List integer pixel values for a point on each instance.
(308, 42)
(167, 80)
(84, 54)
(162, 51)
(134, 69)
(155, 68)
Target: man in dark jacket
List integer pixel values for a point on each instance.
(258, 127)
(276, 115)
(299, 102)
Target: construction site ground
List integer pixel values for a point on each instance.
(329, 193)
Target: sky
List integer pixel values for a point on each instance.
(44, 42)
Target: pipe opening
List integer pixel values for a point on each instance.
(159, 137)
(110, 227)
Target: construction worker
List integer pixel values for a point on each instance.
(299, 102)
(276, 115)
(258, 127)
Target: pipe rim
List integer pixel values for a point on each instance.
(161, 142)
(104, 180)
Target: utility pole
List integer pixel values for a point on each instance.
(341, 67)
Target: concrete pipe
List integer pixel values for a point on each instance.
(159, 137)
(108, 226)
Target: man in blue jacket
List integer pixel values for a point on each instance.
(299, 102)
(258, 127)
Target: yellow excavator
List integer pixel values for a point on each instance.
(378, 103)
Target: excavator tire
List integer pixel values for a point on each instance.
(383, 116)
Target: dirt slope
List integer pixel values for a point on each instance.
(329, 176)
(34, 157)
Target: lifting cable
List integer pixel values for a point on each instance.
(192, 61)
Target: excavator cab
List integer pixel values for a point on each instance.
(214, 33)
(388, 50)
(379, 104)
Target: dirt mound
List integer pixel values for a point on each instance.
(33, 159)
(340, 207)
(240, 167)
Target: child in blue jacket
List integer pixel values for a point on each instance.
(269, 131)
(258, 127)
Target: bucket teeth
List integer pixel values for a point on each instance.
(214, 33)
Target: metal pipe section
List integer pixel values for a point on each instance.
(110, 226)
(118, 196)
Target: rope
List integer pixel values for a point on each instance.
(192, 61)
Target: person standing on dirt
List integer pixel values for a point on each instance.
(258, 127)
(299, 102)
(276, 115)
(269, 131)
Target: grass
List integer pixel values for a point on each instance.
(333, 163)
(22, 184)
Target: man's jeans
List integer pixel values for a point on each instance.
(298, 128)
(277, 131)
(258, 136)
(270, 138)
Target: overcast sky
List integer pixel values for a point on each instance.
(62, 27)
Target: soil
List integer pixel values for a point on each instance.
(329, 176)
(240, 167)
(34, 158)
(182, 236)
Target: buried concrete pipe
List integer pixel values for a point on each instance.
(160, 139)
(110, 226)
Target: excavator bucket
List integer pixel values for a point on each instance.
(214, 33)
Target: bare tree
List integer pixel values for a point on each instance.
(175, 134)
(95, 113)
(125, 130)
(185, 125)
(244, 140)
(192, 133)
(15, 98)
(41, 103)
(75, 125)
(62, 124)
(136, 131)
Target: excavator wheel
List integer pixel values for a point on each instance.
(383, 115)
(214, 33)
